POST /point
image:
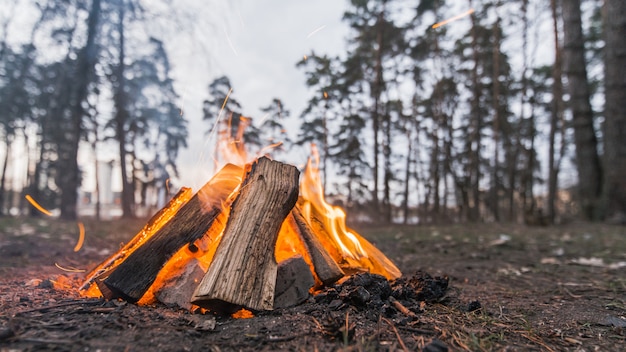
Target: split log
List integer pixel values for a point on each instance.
(293, 282)
(132, 278)
(177, 289)
(243, 270)
(326, 269)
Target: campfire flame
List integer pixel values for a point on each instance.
(346, 247)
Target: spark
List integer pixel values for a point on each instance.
(230, 43)
(81, 237)
(452, 19)
(70, 269)
(219, 115)
(270, 147)
(243, 25)
(264, 118)
(315, 31)
(224, 104)
(305, 57)
(325, 95)
(36, 205)
(167, 185)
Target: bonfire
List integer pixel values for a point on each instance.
(256, 236)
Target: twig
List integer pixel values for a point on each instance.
(399, 306)
(346, 334)
(457, 338)
(60, 342)
(538, 341)
(397, 335)
(319, 326)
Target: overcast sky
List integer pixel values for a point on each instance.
(257, 45)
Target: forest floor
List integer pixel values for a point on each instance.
(511, 287)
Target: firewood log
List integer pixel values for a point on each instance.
(326, 269)
(243, 270)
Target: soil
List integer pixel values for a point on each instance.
(465, 287)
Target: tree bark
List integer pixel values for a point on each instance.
(476, 125)
(243, 270)
(614, 195)
(574, 66)
(376, 89)
(68, 179)
(495, 74)
(121, 117)
(3, 178)
(556, 116)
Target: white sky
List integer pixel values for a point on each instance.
(257, 48)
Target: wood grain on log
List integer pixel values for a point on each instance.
(326, 269)
(132, 278)
(243, 270)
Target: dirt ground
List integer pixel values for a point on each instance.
(510, 288)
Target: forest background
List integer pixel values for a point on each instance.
(511, 112)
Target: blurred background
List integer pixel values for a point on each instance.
(422, 111)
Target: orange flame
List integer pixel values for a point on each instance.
(352, 252)
(36, 205)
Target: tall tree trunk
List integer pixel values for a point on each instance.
(555, 117)
(407, 175)
(435, 177)
(475, 126)
(121, 117)
(527, 174)
(68, 179)
(3, 177)
(614, 194)
(495, 199)
(574, 66)
(376, 95)
(387, 210)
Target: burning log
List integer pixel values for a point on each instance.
(153, 225)
(326, 269)
(132, 278)
(243, 270)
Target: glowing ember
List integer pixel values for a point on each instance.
(37, 206)
(242, 314)
(81, 237)
(452, 19)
